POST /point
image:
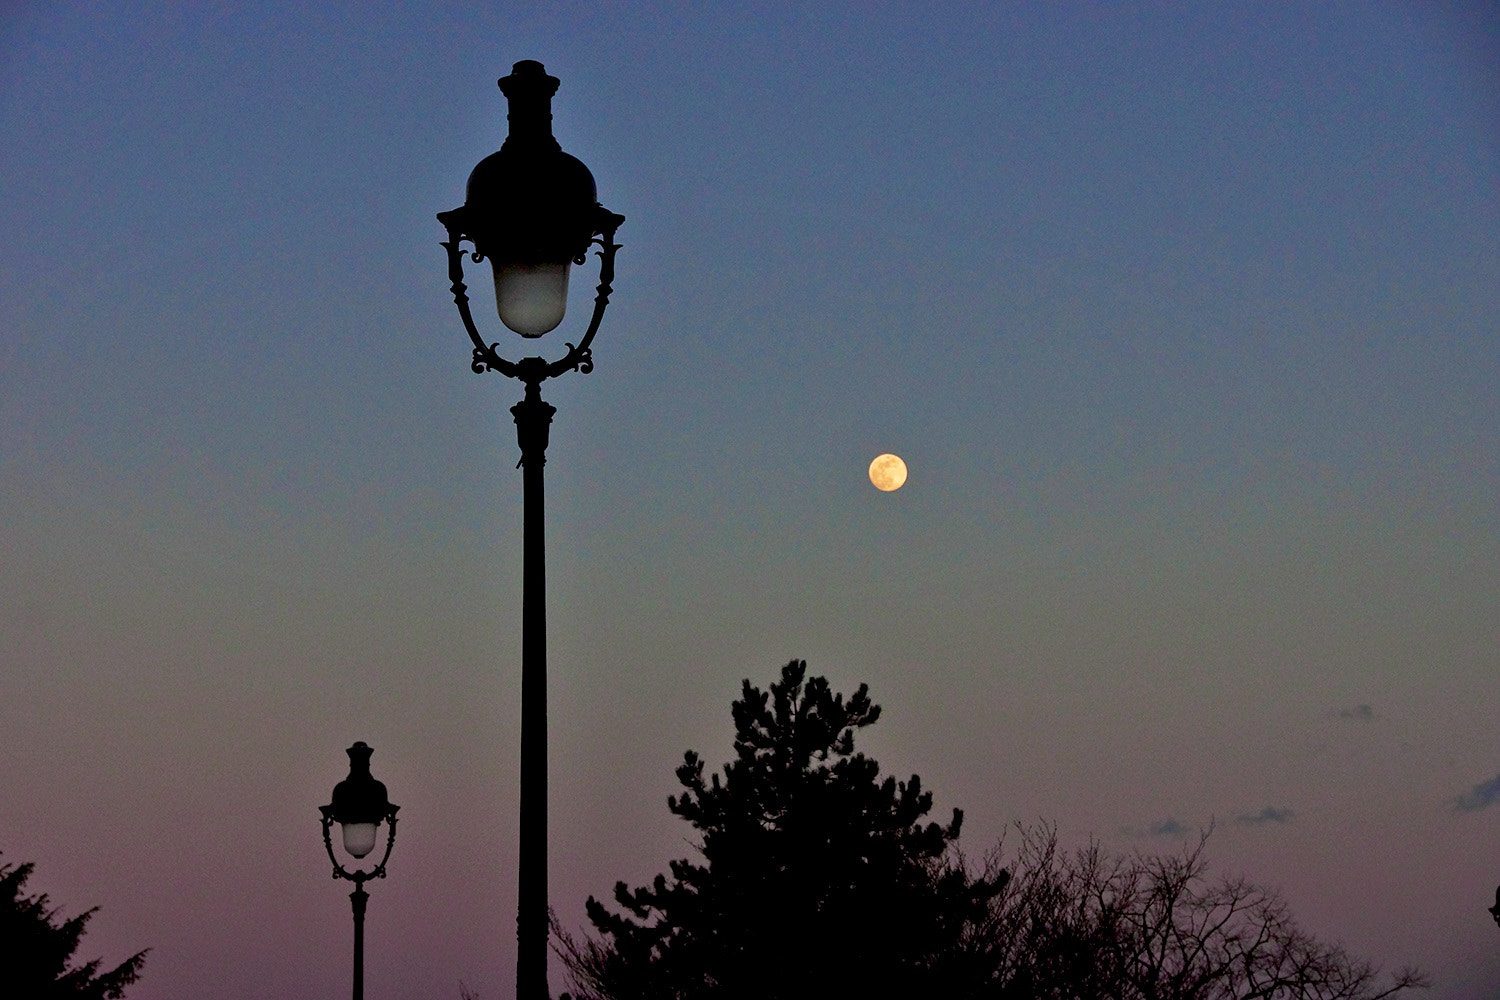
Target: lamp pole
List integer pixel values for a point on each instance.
(533, 420)
(359, 805)
(533, 210)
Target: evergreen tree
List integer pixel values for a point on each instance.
(817, 877)
(37, 948)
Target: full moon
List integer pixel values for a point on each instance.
(887, 472)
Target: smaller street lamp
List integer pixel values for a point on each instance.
(359, 805)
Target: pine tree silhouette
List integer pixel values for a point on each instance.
(37, 948)
(817, 876)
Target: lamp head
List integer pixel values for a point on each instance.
(531, 208)
(359, 803)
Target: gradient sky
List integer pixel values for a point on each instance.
(1186, 320)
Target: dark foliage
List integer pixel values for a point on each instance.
(817, 877)
(37, 948)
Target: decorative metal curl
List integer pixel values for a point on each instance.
(359, 878)
(532, 371)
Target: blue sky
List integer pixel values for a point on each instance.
(1185, 318)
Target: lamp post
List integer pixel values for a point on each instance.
(359, 805)
(533, 210)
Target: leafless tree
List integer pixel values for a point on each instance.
(1090, 924)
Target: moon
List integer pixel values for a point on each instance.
(887, 472)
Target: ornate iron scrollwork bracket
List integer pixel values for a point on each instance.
(532, 371)
(359, 878)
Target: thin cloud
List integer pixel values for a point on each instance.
(1359, 713)
(1169, 827)
(1270, 814)
(1481, 796)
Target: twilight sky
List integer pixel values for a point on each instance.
(1186, 320)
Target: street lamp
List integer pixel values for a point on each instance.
(359, 805)
(533, 210)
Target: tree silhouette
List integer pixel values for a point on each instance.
(817, 877)
(37, 947)
(1153, 927)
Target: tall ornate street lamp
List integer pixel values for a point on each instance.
(533, 210)
(359, 805)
